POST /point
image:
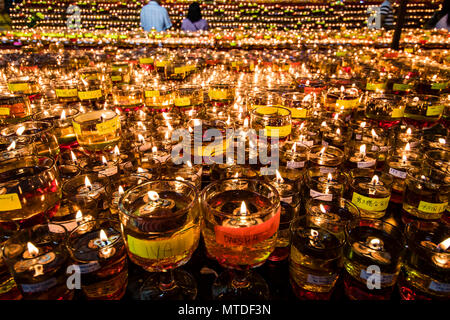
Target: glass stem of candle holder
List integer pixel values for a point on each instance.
(240, 278)
(167, 280)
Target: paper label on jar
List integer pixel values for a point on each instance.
(110, 171)
(248, 236)
(161, 64)
(321, 196)
(309, 143)
(87, 95)
(397, 113)
(183, 102)
(179, 70)
(89, 267)
(38, 287)
(366, 164)
(347, 104)
(384, 278)
(375, 86)
(358, 137)
(281, 132)
(324, 143)
(116, 78)
(439, 86)
(298, 113)
(146, 60)
(68, 225)
(401, 87)
(430, 207)
(435, 110)
(321, 280)
(66, 93)
(161, 249)
(327, 169)
(287, 200)
(439, 286)
(397, 173)
(10, 201)
(76, 127)
(151, 93)
(295, 164)
(215, 94)
(19, 87)
(371, 204)
(109, 126)
(4, 112)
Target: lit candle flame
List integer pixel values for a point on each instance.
(362, 150)
(120, 190)
(104, 160)
(154, 149)
(444, 245)
(72, 155)
(279, 178)
(141, 138)
(408, 131)
(12, 146)
(375, 180)
(103, 236)
(374, 134)
(63, 115)
(87, 183)
(243, 210)
(294, 148)
(79, 216)
(32, 250)
(442, 141)
(116, 151)
(322, 151)
(322, 208)
(329, 177)
(20, 130)
(407, 147)
(153, 195)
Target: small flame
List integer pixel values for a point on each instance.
(103, 236)
(153, 195)
(154, 149)
(20, 130)
(338, 131)
(322, 151)
(329, 177)
(407, 147)
(12, 146)
(363, 124)
(374, 134)
(362, 150)
(243, 209)
(189, 163)
(245, 123)
(141, 138)
(63, 115)
(72, 155)
(116, 151)
(444, 245)
(121, 191)
(322, 208)
(279, 177)
(375, 180)
(104, 160)
(408, 131)
(79, 216)
(140, 170)
(87, 183)
(32, 250)
(442, 141)
(294, 148)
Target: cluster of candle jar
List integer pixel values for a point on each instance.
(336, 161)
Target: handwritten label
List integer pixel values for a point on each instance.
(161, 249)
(320, 196)
(151, 93)
(282, 132)
(10, 202)
(366, 164)
(4, 112)
(66, 93)
(183, 102)
(295, 164)
(397, 113)
(347, 104)
(375, 86)
(87, 95)
(298, 113)
(439, 286)
(430, 207)
(247, 236)
(76, 127)
(371, 204)
(397, 173)
(19, 87)
(38, 287)
(401, 87)
(109, 126)
(435, 110)
(216, 94)
(146, 60)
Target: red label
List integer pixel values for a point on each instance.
(248, 236)
(314, 89)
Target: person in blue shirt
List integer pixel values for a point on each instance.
(155, 16)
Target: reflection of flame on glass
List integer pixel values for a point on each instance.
(442, 141)
(32, 250)
(20, 130)
(153, 195)
(12, 146)
(294, 148)
(322, 208)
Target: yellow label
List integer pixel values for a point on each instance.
(215, 94)
(161, 63)
(272, 110)
(397, 113)
(65, 93)
(146, 60)
(151, 93)
(161, 249)
(347, 104)
(371, 204)
(76, 128)
(19, 87)
(87, 95)
(116, 78)
(409, 50)
(435, 110)
(109, 126)
(10, 202)
(213, 149)
(375, 86)
(298, 113)
(280, 132)
(179, 70)
(429, 207)
(183, 102)
(4, 112)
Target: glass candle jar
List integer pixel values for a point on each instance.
(426, 266)
(74, 211)
(293, 156)
(14, 109)
(97, 130)
(271, 122)
(386, 110)
(66, 91)
(90, 90)
(426, 194)
(241, 219)
(159, 98)
(423, 111)
(128, 98)
(8, 287)
(160, 222)
(35, 136)
(370, 192)
(37, 259)
(30, 191)
(85, 186)
(300, 105)
(61, 117)
(188, 97)
(342, 99)
(315, 260)
(373, 247)
(361, 155)
(25, 85)
(97, 250)
(221, 94)
(326, 158)
(324, 186)
(103, 163)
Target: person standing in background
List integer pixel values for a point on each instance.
(387, 15)
(194, 21)
(441, 18)
(155, 16)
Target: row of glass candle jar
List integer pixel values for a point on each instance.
(243, 223)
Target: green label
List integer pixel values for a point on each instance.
(401, 87)
(435, 110)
